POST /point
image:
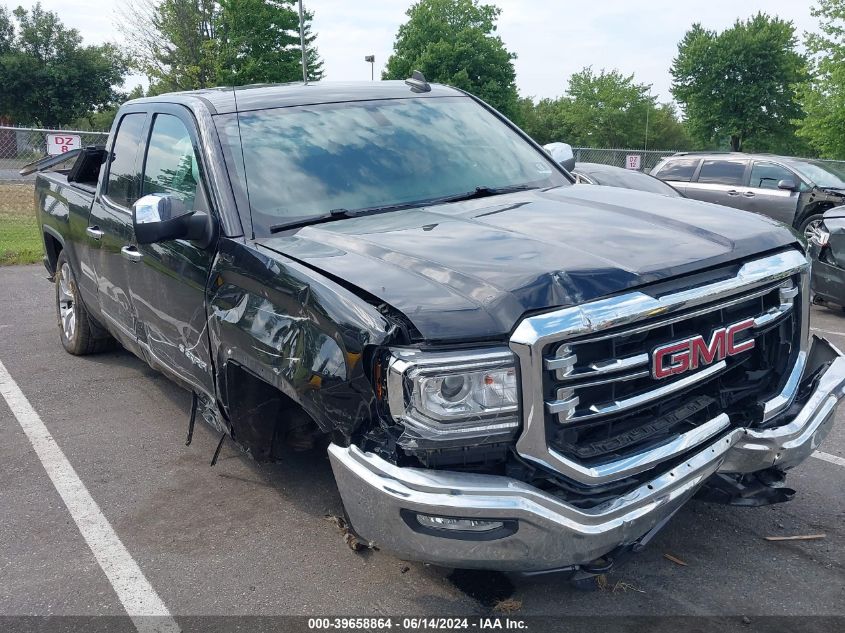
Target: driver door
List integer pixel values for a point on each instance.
(168, 282)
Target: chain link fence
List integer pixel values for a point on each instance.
(20, 242)
(647, 160)
(21, 145)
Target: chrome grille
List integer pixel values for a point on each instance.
(588, 367)
(614, 367)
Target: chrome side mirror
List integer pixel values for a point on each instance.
(161, 217)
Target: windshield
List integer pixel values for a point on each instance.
(305, 162)
(627, 179)
(821, 174)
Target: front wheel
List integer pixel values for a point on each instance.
(810, 225)
(76, 330)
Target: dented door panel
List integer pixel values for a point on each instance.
(168, 288)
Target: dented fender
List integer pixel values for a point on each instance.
(296, 330)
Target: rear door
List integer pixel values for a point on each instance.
(168, 284)
(765, 197)
(721, 180)
(678, 171)
(109, 228)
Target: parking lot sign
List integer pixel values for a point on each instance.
(61, 143)
(633, 161)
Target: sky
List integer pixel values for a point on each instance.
(552, 38)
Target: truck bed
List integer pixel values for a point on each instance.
(62, 210)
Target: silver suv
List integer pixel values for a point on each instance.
(792, 190)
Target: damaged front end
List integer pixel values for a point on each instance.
(827, 247)
(599, 451)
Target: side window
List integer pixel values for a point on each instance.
(122, 186)
(767, 175)
(722, 172)
(171, 165)
(678, 169)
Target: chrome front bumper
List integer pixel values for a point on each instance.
(545, 533)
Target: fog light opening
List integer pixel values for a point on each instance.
(458, 525)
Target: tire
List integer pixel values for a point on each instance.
(77, 329)
(808, 223)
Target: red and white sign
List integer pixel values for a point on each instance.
(61, 143)
(633, 161)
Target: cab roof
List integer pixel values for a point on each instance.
(262, 96)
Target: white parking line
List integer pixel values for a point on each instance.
(134, 591)
(834, 332)
(833, 459)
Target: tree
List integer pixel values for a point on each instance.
(48, 76)
(260, 41)
(740, 85)
(190, 44)
(454, 42)
(824, 96)
(172, 42)
(604, 110)
(7, 31)
(101, 120)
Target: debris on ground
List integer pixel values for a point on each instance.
(621, 586)
(675, 560)
(797, 537)
(625, 587)
(349, 537)
(405, 570)
(508, 605)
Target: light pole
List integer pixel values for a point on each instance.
(302, 44)
(372, 60)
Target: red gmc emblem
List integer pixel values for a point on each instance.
(695, 352)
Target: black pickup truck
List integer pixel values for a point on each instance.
(509, 371)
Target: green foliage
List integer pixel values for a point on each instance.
(453, 42)
(740, 85)
(824, 96)
(260, 43)
(607, 109)
(20, 237)
(7, 31)
(48, 76)
(101, 121)
(190, 44)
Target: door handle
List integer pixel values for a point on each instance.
(131, 253)
(748, 194)
(733, 192)
(94, 232)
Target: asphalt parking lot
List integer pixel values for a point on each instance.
(242, 538)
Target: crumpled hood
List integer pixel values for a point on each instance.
(470, 270)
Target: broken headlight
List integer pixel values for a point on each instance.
(454, 394)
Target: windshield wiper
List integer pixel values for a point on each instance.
(334, 214)
(484, 192)
(337, 214)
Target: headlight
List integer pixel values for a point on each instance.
(454, 394)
